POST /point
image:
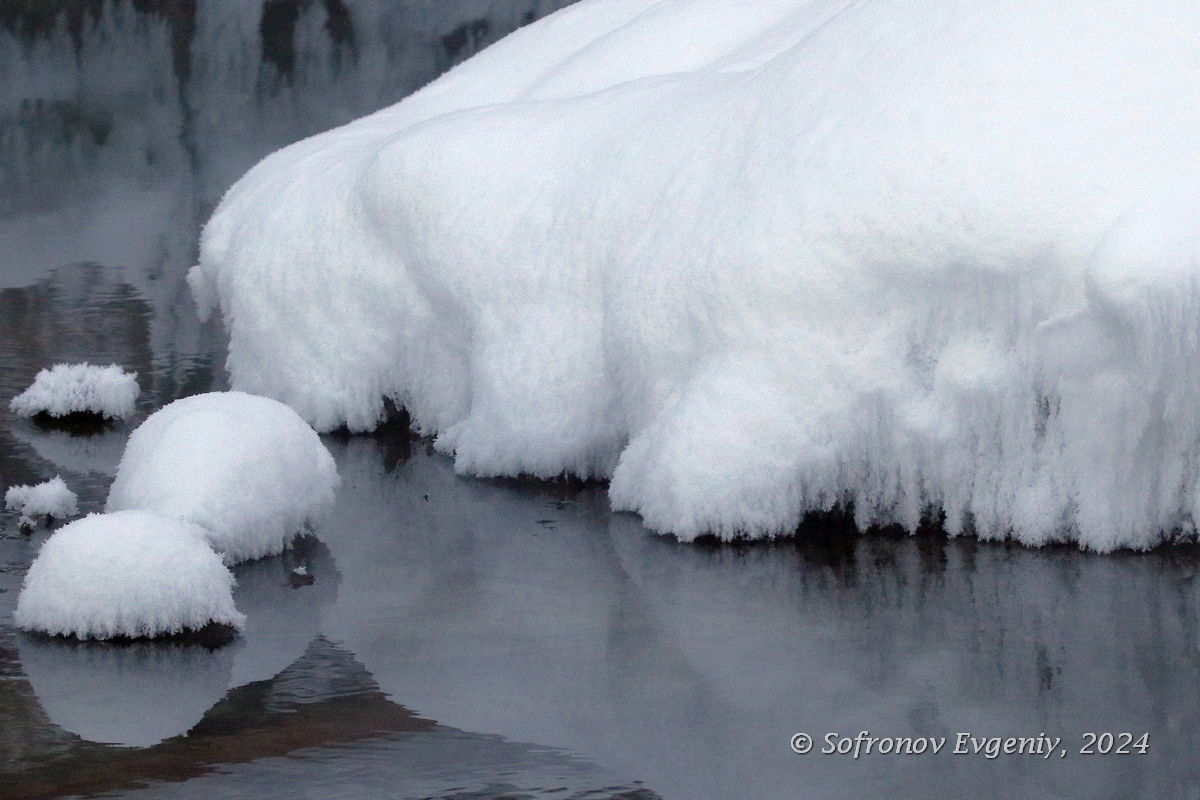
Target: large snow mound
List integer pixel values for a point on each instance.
(247, 469)
(131, 574)
(51, 497)
(751, 259)
(79, 388)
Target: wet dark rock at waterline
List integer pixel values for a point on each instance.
(211, 636)
(77, 423)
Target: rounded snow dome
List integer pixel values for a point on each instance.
(131, 574)
(247, 469)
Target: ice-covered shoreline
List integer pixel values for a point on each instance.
(751, 262)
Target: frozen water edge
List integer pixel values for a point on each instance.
(783, 264)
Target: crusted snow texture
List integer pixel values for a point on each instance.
(751, 259)
(51, 497)
(69, 388)
(132, 574)
(247, 469)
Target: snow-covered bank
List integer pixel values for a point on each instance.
(752, 261)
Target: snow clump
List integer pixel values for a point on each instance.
(247, 469)
(79, 388)
(131, 574)
(51, 497)
(753, 259)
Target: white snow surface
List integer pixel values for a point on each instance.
(50, 497)
(247, 469)
(749, 259)
(132, 574)
(68, 388)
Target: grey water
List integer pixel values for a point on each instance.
(465, 638)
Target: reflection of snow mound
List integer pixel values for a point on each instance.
(135, 695)
(126, 574)
(245, 468)
(99, 453)
(281, 621)
(324, 671)
(749, 263)
(52, 497)
(79, 388)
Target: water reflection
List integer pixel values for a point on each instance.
(136, 695)
(324, 711)
(323, 697)
(94, 455)
(281, 619)
(526, 612)
(691, 667)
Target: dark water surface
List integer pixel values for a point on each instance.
(486, 639)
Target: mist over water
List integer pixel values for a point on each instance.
(482, 639)
(122, 125)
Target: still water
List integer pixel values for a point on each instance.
(488, 639)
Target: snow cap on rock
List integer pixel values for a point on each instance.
(132, 574)
(50, 497)
(247, 469)
(79, 388)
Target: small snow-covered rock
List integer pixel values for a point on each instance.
(71, 388)
(51, 497)
(131, 574)
(247, 469)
